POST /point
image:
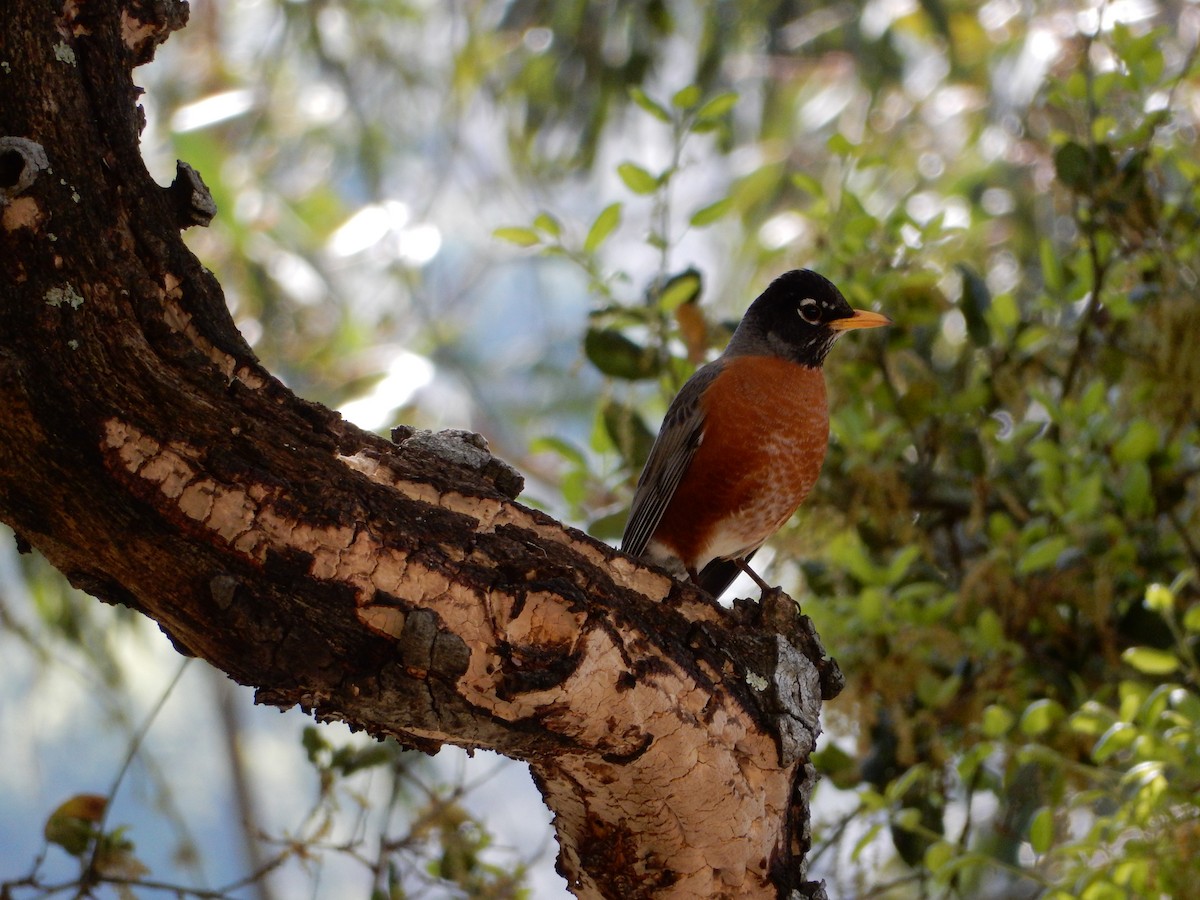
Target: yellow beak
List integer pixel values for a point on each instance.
(862, 318)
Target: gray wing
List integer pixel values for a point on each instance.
(680, 435)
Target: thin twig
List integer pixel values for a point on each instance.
(245, 799)
(889, 886)
(1185, 535)
(134, 746)
(835, 835)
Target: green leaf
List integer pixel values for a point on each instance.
(938, 855)
(657, 240)
(865, 841)
(989, 629)
(614, 354)
(609, 527)
(872, 604)
(996, 722)
(548, 224)
(573, 487)
(686, 98)
(847, 550)
(899, 789)
(1072, 164)
(976, 301)
(1092, 719)
(758, 186)
(1005, 312)
(1085, 496)
(628, 433)
(314, 743)
(1117, 737)
(1156, 704)
(1133, 696)
(1041, 555)
(837, 765)
(1137, 443)
(656, 109)
(708, 214)
(1041, 831)
(516, 234)
(680, 289)
(899, 564)
(350, 759)
(1159, 598)
(1187, 708)
(1093, 400)
(840, 145)
(1040, 716)
(970, 762)
(1136, 489)
(808, 184)
(717, 107)
(872, 800)
(74, 823)
(1191, 619)
(637, 179)
(1052, 270)
(935, 692)
(605, 224)
(560, 447)
(1151, 661)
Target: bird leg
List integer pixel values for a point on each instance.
(745, 567)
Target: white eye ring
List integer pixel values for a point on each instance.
(810, 311)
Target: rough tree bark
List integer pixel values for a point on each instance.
(395, 586)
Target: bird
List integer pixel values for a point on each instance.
(743, 441)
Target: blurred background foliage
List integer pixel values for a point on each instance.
(535, 218)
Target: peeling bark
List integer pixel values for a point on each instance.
(393, 585)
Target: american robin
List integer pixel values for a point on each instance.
(743, 441)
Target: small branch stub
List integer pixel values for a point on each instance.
(194, 204)
(463, 448)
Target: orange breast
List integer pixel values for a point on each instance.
(765, 432)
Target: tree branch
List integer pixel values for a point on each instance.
(397, 587)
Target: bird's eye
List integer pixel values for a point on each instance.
(810, 311)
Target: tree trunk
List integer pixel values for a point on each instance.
(394, 586)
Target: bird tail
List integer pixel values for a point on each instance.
(719, 574)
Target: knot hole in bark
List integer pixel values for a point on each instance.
(20, 162)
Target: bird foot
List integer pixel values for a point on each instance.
(763, 586)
